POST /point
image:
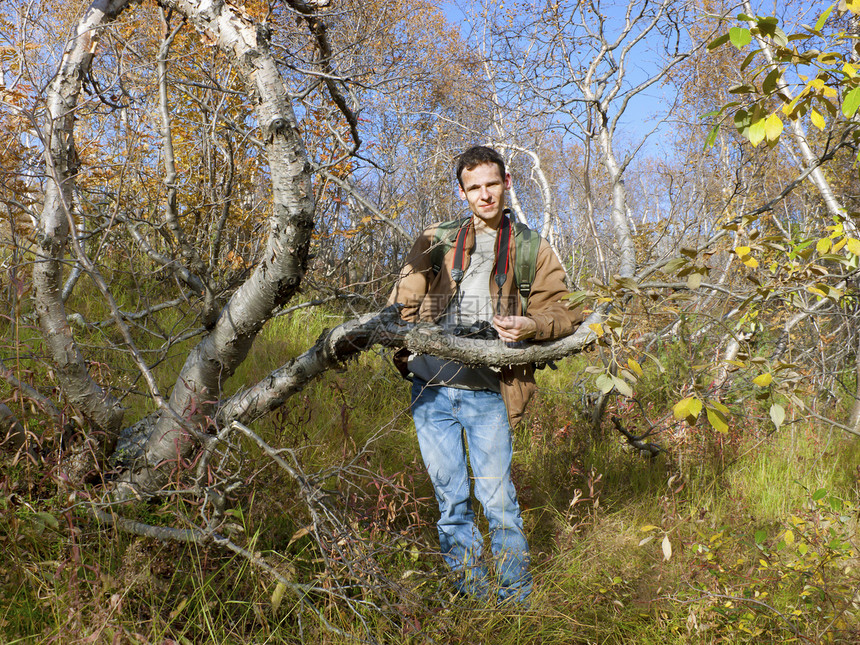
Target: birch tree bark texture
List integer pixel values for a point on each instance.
(272, 283)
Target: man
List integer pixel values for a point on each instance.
(455, 406)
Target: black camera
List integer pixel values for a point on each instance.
(479, 330)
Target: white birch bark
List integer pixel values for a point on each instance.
(278, 275)
(94, 402)
(198, 385)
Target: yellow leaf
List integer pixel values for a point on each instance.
(742, 250)
(694, 281)
(818, 120)
(788, 108)
(838, 246)
(278, 596)
(763, 380)
(719, 406)
(633, 365)
(178, 610)
(300, 534)
(689, 407)
(849, 70)
(750, 261)
(789, 537)
(773, 127)
(853, 246)
(648, 527)
(823, 245)
(718, 420)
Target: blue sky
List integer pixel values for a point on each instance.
(644, 111)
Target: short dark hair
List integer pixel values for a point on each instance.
(475, 156)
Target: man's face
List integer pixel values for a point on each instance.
(483, 187)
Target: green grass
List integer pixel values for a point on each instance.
(597, 513)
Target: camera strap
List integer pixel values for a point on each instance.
(503, 260)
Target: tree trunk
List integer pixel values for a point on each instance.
(97, 406)
(215, 358)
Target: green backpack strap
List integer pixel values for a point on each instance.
(443, 239)
(525, 265)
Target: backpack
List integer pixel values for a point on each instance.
(527, 244)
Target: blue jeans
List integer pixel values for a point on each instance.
(443, 415)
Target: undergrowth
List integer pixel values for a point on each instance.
(743, 537)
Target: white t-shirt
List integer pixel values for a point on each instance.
(471, 303)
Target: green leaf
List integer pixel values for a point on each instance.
(851, 102)
(779, 37)
(823, 18)
(718, 42)
(749, 59)
(628, 283)
(769, 84)
(622, 386)
(760, 536)
(718, 420)
(777, 414)
(577, 297)
(719, 406)
(712, 136)
(657, 362)
(674, 264)
(48, 520)
(604, 382)
(821, 493)
(742, 88)
(740, 37)
(757, 132)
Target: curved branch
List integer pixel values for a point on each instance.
(388, 329)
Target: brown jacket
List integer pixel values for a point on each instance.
(425, 298)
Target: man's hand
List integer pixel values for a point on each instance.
(514, 328)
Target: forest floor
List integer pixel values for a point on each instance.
(747, 536)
